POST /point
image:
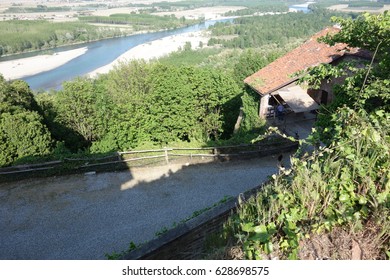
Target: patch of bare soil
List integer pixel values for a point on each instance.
(339, 244)
(230, 252)
(342, 244)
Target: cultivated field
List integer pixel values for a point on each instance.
(116, 7)
(207, 13)
(344, 8)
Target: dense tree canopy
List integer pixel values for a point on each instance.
(141, 104)
(261, 30)
(20, 36)
(22, 129)
(168, 103)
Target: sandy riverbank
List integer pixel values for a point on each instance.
(156, 49)
(19, 68)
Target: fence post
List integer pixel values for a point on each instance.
(166, 155)
(216, 153)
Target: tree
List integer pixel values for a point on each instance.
(369, 32)
(171, 113)
(127, 87)
(82, 108)
(16, 95)
(71, 140)
(22, 130)
(22, 135)
(366, 88)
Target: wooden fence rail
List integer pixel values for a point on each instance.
(166, 153)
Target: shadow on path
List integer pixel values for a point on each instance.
(85, 216)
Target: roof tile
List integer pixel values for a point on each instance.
(309, 54)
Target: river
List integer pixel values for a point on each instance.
(101, 53)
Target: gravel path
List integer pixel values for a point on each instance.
(86, 216)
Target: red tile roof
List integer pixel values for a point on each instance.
(311, 53)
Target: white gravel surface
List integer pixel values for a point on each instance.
(86, 216)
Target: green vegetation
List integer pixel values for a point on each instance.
(343, 186)
(141, 21)
(325, 4)
(175, 5)
(22, 130)
(190, 57)
(141, 103)
(262, 30)
(37, 9)
(261, 7)
(22, 36)
(351, 4)
(190, 98)
(264, 5)
(193, 98)
(365, 4)
(138, 104)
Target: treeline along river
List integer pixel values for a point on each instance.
(101, 53)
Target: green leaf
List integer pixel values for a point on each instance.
(248, 227)
(362, 200)
(271, 228)
(268, 248)
(260, 229)
(344, 197)
(260, 238)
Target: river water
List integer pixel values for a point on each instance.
(101, 53)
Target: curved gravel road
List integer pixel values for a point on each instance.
(85, 216)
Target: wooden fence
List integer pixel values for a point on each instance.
(147, 157)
